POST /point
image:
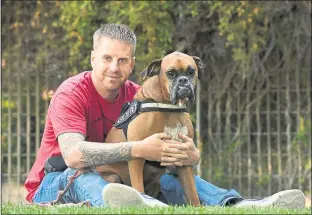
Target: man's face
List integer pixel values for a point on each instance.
(112, 63)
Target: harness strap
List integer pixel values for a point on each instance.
(131, 110)
(161, 107)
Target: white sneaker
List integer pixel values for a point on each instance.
(119, 195)
(284, 199)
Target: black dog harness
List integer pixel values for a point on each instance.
(131, 110)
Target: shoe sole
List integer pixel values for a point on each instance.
(288, 199)
(118, 195)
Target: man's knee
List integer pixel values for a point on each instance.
(79, 173)
(69, 172)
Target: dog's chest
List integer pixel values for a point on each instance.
(173, 131)
(157, 122)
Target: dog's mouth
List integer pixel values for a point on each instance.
(182, 95)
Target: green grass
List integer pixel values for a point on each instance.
(11, 208)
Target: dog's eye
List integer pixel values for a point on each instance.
(171, 74)
(191, 71)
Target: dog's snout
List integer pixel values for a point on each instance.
(183, 80)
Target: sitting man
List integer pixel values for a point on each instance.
(81, 113)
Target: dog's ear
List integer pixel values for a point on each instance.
(152, 69)
(200, 66)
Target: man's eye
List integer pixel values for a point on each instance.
(107, 58)
(123, 60)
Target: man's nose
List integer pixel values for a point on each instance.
(113, 66)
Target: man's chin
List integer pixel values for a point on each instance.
(113, 85)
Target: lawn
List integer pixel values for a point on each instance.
(10, 208)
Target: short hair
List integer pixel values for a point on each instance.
(115, 31)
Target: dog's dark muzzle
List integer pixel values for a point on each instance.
(182, 88)
(184, 92)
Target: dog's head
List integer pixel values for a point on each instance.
(178, 74)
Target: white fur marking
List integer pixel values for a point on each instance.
(173, 132)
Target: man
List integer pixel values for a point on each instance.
(83, 110)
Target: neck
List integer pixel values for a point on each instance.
(151, 90)
(109, 95)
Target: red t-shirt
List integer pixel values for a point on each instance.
(76, 107)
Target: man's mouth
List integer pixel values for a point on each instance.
(113, 77)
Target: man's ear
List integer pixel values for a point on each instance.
(152, 69)
(200, 66)
(132, 64)
(92, 58)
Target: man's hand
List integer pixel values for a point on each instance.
(157, 148)
(192, 152)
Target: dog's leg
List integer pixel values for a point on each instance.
(136, 167)
(187, 180)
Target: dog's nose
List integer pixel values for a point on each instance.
(183, 80)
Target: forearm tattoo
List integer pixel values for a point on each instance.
(67, 141)
(93, 153)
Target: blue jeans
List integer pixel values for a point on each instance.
(89, 186)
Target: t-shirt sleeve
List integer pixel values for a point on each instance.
(67, 113)
(133, 88)
(136, 88)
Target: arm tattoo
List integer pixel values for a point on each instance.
(67, 141)
(93, 153)
(99, 154)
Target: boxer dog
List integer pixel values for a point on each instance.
(159, 106)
